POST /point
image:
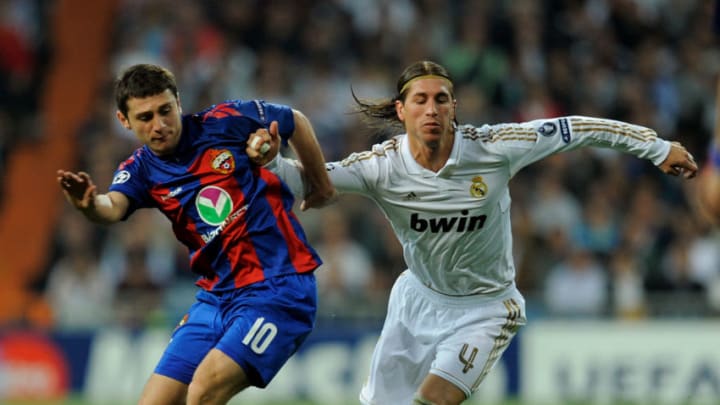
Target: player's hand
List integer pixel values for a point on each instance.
(679, 162)
(263, 145)
(318, 197)
(78, 188)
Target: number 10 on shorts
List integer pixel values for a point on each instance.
(260, 335)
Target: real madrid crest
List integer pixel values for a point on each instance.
(222, 161)
(478, 188)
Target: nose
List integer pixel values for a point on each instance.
(158, 123)
(431, 109)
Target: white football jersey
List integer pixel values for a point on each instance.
(454, 224)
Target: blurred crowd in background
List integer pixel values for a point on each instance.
(598, 234)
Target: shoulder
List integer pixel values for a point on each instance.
(136, 159)
(378, 152)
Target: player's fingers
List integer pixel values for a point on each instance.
(88, 195)
(259, 142)
(274, 131)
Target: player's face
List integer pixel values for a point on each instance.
(428, 111)
(155, 120)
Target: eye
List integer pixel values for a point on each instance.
(419, 99)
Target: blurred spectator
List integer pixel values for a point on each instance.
(23, 60)
(628, 294)
(597, 231)
(577, 286)
(346, 277)
(553, 206)
(138, 299)
(78, 291)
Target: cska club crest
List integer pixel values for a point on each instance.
(222, 161)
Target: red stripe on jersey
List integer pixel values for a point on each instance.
(239, 250)
(185, 230)
(301, 257)
(221, 111)
(200, 262)
(242, 251)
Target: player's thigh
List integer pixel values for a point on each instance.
(219, 375)
(466, 356)
(162, 390)
(262, 331)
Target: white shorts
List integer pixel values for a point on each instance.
(457, 338)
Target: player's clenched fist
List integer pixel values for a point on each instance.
(679, 161)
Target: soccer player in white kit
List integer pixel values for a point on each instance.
(444, 189)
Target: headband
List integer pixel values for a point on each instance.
(409, 82)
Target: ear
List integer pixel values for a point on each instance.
(400, 110)
(123, 120)
(178, 103)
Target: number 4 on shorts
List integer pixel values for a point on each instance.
(260, 335)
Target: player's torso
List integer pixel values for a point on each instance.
(453, 224)
(205, 187)
(458, 202)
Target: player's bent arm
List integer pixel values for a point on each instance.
(318, 187)
(107, 208)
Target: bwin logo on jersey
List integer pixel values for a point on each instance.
(462, 223)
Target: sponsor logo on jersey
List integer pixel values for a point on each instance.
(172, 193)
(222, 161)
(207, 237)
(460, 223)
(565, 129)
(213, 205)
(547, 129)
(121, 177)
(478, 188)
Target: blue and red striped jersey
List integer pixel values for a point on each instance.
(235, 217)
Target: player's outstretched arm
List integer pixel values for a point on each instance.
(81, 192)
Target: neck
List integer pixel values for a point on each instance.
(432, 155)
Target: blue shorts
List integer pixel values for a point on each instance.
(259, 326)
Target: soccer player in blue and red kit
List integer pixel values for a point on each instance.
(257, 296)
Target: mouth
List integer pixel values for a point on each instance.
(160, 138)
(432, 127)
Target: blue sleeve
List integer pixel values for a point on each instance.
(265, 113)
(128, 180)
